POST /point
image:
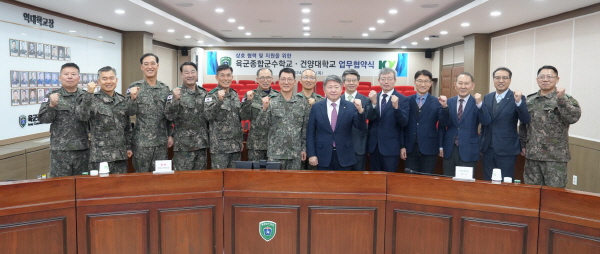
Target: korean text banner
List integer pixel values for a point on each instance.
(322, 62)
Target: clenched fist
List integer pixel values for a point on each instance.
(478, 98)
(250, 95)
(443, 101)
(373, 97)
(177, 93)
(221, 94)
(133, 92)
(394, 101)
(311, 101)
(54, 99)
(265, 102)
(518, 95)
(358, 105)
(91, 87)
(561, 92)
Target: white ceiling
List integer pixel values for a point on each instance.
(333, 23)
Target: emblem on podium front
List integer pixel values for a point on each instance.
(267, 230)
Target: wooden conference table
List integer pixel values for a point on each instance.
(219, 211)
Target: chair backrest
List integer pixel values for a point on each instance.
(243, 81)
(209, 86)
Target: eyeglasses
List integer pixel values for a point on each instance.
(225, 76)
(283, 80)
(189, 73)
(309, 78)
(387, 79)
(548, 77)
(497, 78)
(351, 80)
(265, 78)
(420, 81)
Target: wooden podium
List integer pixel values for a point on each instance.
(220, 211)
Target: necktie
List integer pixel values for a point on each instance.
(420, 102)
(333, 119)
(350, 98)
(498, 99)
(460, 109)
(459, 114)
(383, 102)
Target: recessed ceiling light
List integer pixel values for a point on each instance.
(380, 21)
(100, 37)
(306, 28)
(200, 41)
(219, 10)
(365, 34)
(444, 32)
(241, 27)
(23, 34)
(231, 20)
(393, 11)
(248, 33)
(119, 11)
(149, 22)
(210, 45)
(403, 47)
(414, 43)
(465, 24)
(305, 10)
(372, 28)
(495, 13)
(171, 31)
(187, 36)
(305, 20)
(306, 34)
(72, 31)
(426, 38)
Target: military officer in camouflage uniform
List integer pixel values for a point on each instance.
(147, 99)
(222, 110)
(251, 107)
(68, 135)
(185, 107)
(545, 140)
(110, 128)
(308, 81)
(286, 117)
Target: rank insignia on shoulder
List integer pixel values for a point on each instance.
(208, 99)
(169, 97)
(45, 99)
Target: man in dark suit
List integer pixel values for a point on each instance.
(500, 140)
(350, 79)
(461, 116)
(329, 132)
(387, 114)
(421, 142)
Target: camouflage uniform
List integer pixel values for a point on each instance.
(257, 138)
(151, 128)
(190, 132)
(546, 138)
(110, 129)
(286, 121)
(226, 134)
(317, 97)
(68, 136)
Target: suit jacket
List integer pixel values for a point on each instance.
(359, 137)
(385, 127)
(320, 136)
(466, 129)
(423, 127)
(501, 133)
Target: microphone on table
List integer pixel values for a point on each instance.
(410, 171)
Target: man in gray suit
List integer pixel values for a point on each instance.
(350, 78)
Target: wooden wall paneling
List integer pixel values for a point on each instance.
(413, 231)
(117, 232)
(13, 167)
(456, 70)
(585, 160)
(38, 216)
(38, 163)
(177, 236)
(446, 84)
